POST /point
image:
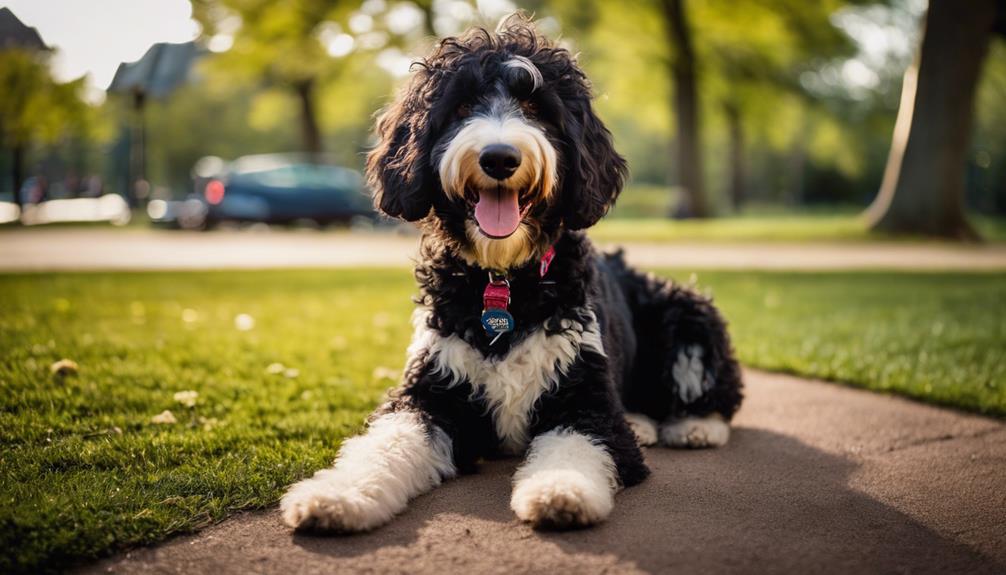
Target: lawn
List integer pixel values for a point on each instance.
(284, 364)
(640, 216)
(767, 227)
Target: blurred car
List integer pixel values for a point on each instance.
(270, 188)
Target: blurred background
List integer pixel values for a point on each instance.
(832, 172)
(194, 114)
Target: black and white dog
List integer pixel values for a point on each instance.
(527, 340)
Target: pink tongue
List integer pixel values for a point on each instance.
(497, 212)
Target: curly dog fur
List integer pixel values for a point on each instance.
(495, 150)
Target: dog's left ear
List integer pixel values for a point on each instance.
(397, 167)
(595, 172)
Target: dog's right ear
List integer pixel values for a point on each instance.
(398, 168)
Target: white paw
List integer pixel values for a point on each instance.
(562, 498)
(321, 504)
(644, 428)
(710, 431)
(374, 477)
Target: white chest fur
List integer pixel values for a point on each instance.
(510, 384)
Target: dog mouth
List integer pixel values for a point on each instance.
(497, 211)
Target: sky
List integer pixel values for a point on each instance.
(93, 36)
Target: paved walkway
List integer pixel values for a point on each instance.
(104, 249)
(818, 478)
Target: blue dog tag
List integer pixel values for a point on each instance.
(497, 321)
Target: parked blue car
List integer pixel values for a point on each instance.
(270, 188)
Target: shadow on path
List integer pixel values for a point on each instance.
(766, 503)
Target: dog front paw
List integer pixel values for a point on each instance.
(644, 428)
(318, 505)
(696, 432)
(561, 499)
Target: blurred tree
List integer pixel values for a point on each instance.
(754, 52)
(686, 106)
(213, 117)
(36, 109)
(923, 187)
(727, 72)
(987, 177)
(278, 43)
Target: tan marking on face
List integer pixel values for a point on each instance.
(459, 167)
(535, 181)
(500, 254)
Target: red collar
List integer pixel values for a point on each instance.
(546, 260)
(496, 299)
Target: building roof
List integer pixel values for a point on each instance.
(162, 69)
(15, 34)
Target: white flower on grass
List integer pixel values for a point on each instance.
(382, 319)
(291, 372)
(187, 398)
(275, 368)
(164, 418)
(190, 315)
(64, 367)
(244, 322)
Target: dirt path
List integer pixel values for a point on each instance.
(817, 478)
(103, 249)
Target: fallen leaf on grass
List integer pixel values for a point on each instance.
(64, 367)
(187, 398)
(164, 418)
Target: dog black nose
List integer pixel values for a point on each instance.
(499, 161)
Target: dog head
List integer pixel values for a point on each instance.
(495, 145)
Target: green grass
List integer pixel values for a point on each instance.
(790, 228)
(84, 471)
(640, 216)
(935, 337)
(767, 227)
(802, 227)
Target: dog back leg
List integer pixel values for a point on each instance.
(685, 377)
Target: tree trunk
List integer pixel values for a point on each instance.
(923, 187)
(139, 187)
(686, 106)
(738, 168)
(310, 133)
(17, 172)
(796, 166)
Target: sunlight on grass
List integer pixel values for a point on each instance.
(86, 469)
(766, 228)
(640, 215)
(762, 228)
(198, 394)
